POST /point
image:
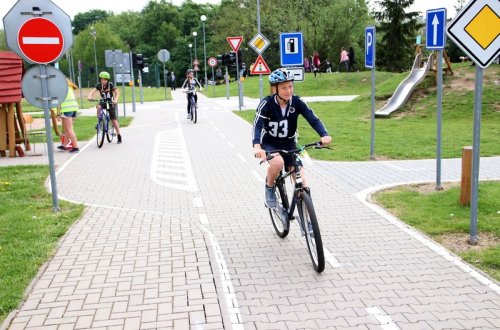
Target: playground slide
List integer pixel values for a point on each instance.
(406, 87)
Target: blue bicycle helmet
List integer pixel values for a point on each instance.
(279, 76)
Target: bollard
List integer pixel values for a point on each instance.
(466, 176)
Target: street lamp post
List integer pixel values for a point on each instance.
(195, 34)
(191, 55)
(93, 33)
(203, 19)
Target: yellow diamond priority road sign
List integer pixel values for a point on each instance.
(476, 30)
(259, 43)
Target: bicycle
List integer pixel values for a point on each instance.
(283, 213)
(104, 126)
(193, 109)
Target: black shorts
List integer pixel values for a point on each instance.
(111, 110)
(288, 159)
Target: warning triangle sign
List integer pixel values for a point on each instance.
(260, 67)
(235, 42)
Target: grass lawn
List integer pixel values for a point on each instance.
(29, 229)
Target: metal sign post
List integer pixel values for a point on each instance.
(370, 63)
(164, 56)
(133, 81)
(435, 40)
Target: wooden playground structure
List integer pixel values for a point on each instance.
(13, 131)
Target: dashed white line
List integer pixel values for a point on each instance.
(257, 176)
(329, 257)
(203, 219)
(240, 156)
(198, 202)
(227, 286)
(385, 321)
(230, 145)
(223, 136)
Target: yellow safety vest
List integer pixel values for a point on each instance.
(69, 103)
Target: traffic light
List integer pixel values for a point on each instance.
(139, 61)
(145, 62)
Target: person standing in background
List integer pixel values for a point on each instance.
(316, 63)
(172, 79)
(344, 60)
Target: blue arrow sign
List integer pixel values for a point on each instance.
(435, 33)
(370, 47)
(291, 49)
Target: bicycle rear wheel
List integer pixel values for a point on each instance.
(279, 214)
(311, 229)
(110, 132)
(100, 132)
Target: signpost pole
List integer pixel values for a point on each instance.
(133, 81)
(50, 146)
(226, 77)
(122, 66)
(478, 95)
(439, 118)
(164, 78)
(258, 31)
(213, 79)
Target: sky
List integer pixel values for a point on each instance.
(72, 7)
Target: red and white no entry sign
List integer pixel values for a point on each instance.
(40, 40)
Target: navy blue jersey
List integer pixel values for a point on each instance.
(273, 127)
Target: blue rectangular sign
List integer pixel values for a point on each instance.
(434, 29)
(370, 47)
(291, 49)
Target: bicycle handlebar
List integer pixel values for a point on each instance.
(315, 145)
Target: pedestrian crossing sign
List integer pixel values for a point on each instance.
(260, 67)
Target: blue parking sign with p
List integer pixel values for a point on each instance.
(370, 47)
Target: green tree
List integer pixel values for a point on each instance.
(84, 20)
(397, 29)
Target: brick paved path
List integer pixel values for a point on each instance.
(175, 236)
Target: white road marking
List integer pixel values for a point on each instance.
(203, 219)
(329, 257)
(230, 145)
(223, 136)
(240, 156)
(198, 202)
(227, 286)
(171, 166)
(385, 321)
(257, 177)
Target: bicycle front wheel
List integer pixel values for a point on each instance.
(279, 214)
(100, 132)
(310, 226)
(194, 114)
(110, 132)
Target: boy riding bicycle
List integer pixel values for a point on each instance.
(189, 86)
(275, 127)
(109, 95)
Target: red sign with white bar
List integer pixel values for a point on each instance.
(260, 67)
(40, 40)
(235, 42)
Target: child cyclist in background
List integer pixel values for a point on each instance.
(275, 127)
(189, 86)
(108, 93)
